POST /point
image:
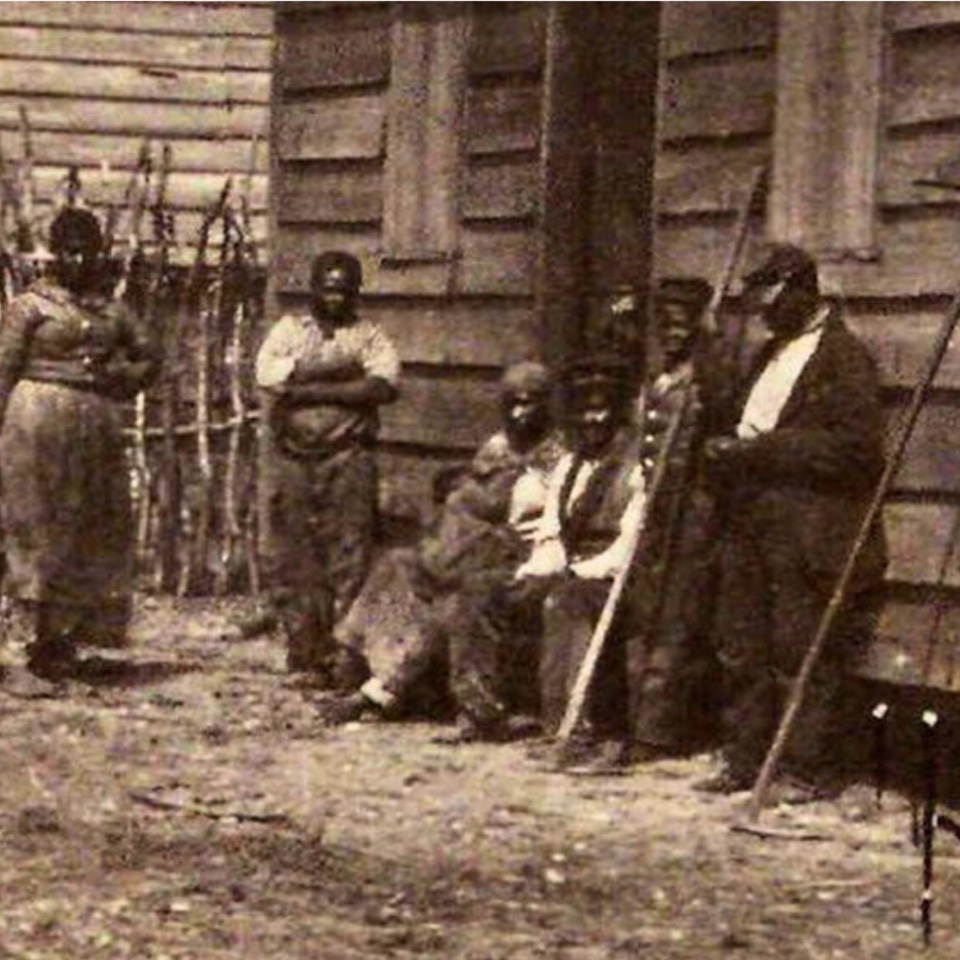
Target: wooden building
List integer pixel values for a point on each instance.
(491, 166)
(97, 79)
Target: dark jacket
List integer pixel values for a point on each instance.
(811, 478)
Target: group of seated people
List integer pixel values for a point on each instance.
(722, 499)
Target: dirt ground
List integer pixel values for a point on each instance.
(193, 806)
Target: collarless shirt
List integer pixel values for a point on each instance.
(773, 387)
(297, 337)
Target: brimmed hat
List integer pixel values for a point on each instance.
(783, 261)
(598, 377)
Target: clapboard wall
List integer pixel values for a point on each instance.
(97, 78)
(457, 323)
(717, 114)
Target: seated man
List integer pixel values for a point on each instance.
(397, 627)
(594, 500)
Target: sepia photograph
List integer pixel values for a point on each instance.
(479, 480)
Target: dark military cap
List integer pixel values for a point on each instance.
(694, 292)
(602, 377)
(784, 261)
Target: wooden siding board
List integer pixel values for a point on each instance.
(461, 414)
(932, 458)
(506, 189)
(922, 81)
(914, 15)
(184, 190)
(119, 151)
(500, 262)
(694, 28)
(177, 18)
(461, 333)
(918, 257)
(912, 155)
(707, 179)
(717, 98)
(502, 118)
(344, 128)
(492, 262)
(113, 82)
(311, 194)
(507, 38)
(900, 335)
(918, 534)
(344, 47)
(107, 47)
(158, 120)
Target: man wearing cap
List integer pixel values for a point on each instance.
(669, 663)
(593, 501)
(323, 376)
(396, 631)
(794, 470)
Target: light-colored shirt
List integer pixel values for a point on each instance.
(297, 338)
(772, 389)
(548, 554)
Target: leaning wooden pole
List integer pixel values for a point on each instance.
(588, 667)
(870, 517)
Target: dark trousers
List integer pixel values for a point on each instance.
(769, 608)
(318, 528)
(570, 614)
(494, 624)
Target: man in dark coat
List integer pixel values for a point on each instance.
(794, 471)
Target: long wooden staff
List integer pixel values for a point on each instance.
(584, 678)
(831, 611)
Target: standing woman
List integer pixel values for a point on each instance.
(67, 360)
(323, 377)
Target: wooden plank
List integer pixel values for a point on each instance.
(507, 38)
(932, 460)
(507, 188)
(344, 47)
(900, 648)
(922, 78)
(442, 413)
(184, 190)
(294, 247)
(461, 333)
(319, 194)
(502, 118)
(918, 257)
(718, 98)
(120, 152)
(900, 335)
(190, 120)
(706, 179)
(101, 46)
(913, 154)
(917, 534)
(692, 28)
(499, 262)
(241, 19)
(492, 262)
(22, 78)
(345, 128)
(915, 15)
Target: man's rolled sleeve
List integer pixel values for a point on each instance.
(277, 356)
(380, 358)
